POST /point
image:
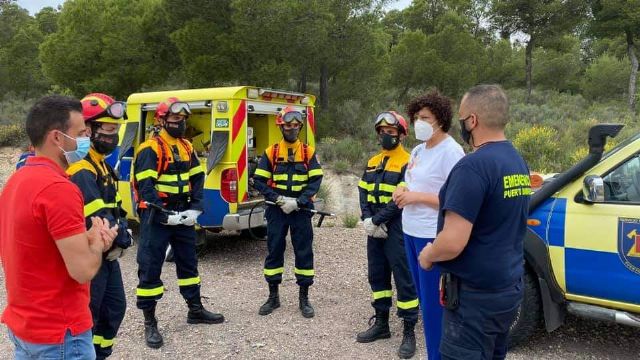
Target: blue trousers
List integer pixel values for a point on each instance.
(479, 328)
(427, 286)
(73, 348)
(108, 305)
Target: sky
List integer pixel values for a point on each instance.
(35, 5)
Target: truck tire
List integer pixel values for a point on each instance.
(529, 317)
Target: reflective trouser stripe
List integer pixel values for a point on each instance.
(408, 304)
(102, 342)
(382, 294)
(150, 292)
(304, 272)
(276, 271)
(189, 281)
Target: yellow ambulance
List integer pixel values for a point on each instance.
(230, 127)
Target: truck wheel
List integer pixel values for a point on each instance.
(529, 317)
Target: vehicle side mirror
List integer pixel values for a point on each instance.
(593, 189)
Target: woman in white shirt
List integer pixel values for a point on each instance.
(428, 169)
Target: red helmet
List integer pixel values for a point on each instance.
(172, 106)
(393, 119)
(103, 108)
(287, 115)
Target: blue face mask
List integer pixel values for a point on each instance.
(83, 143)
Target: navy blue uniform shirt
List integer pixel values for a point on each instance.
(490, 188)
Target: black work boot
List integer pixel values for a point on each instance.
(305, 308)
(408, 347)
(273, 302)
(151, 334)
(199, 315)
(379, 329)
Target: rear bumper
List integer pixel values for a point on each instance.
(240, 220)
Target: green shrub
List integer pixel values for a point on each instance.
(341, 167)
(540, 148)
(12, 135)
(350, 221)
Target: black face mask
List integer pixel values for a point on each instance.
(105, 143)
(291, 135)
(388, 142)
(176, 129)
(464, 133)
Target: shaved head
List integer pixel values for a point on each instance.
(489, 103)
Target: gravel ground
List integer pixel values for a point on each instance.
(230, 269)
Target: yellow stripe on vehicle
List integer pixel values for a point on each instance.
(304, 272)
(408, 304)
(189, 281)
(263, 173)
(150, 292)
(271, 272)
(315, 172)
(150, 173)
(382, 294)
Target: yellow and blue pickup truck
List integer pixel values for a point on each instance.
(230, 127)
(582, 248)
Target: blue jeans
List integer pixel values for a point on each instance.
(427, 287)
(73, 348)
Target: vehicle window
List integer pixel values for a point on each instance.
(623, 183)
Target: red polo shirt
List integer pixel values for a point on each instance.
(38, 206)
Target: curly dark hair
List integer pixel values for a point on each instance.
(437, 103)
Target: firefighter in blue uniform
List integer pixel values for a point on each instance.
(383, 225)
(168, 184)
(289, 175)
(98, 183)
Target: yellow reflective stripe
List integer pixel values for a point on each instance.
(168, 178)
(189, 281)
(278, 177)
(382, 294)
(297, 177)
(96, 205)
(408, 304)
(196, 170)
(263, 173)
(383, 199)
(315, 172)
(309, 272)
(150, 173)
(171, 189)
(387, 188)
(365, 185)
(104, 343)
(298, 187)
(150, 292)
(283, 187)
(118, 197)
(276, 271)
(402, 183)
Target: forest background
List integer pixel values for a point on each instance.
(566, 64)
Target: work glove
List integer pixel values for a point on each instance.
(174, 219)
(115, 253)
(190, 217)
(287, 204)
(369, 226)
(380, 232)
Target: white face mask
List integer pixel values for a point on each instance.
(423, 130)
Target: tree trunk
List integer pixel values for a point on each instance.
(631, 50)
(302, 82)
(324, 86)
(528, 61)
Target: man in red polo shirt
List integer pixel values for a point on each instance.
(48, 256)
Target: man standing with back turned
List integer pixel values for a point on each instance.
(481, 227)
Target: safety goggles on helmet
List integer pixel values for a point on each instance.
(116, 110)
(179, 108)
(292, 116)
(388, 119)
